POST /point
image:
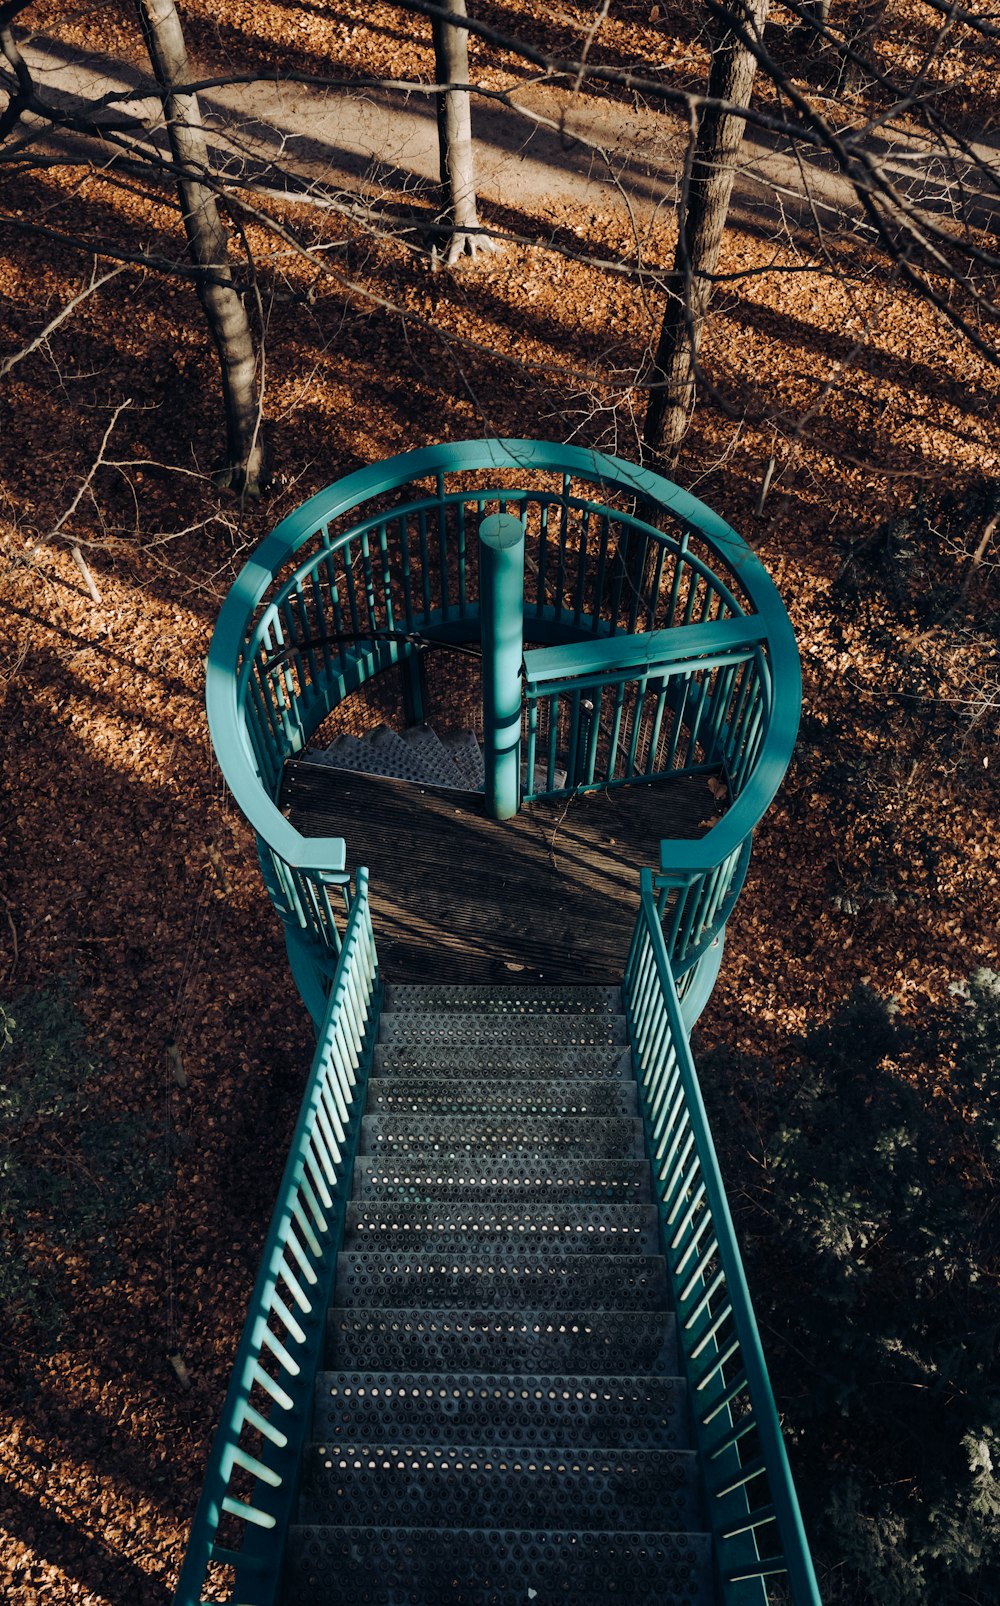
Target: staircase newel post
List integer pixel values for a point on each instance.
(501, 608)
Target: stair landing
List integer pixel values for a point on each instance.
(550, 895)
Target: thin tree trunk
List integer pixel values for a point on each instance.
(454, 121)
(699, 236)
(243, 468)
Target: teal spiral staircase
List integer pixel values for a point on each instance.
(501, 1346)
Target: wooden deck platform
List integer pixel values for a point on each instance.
(456, 897)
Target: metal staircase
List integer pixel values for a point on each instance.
(500, 1415)
(501, 1347)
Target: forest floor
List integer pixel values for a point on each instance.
(129, 874)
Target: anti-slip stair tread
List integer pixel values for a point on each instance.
(610, 1137)
(430, 1095)
(428, 1408)
(501, 1178)
(520, 1001)
(502, 1062)
(573, 1229)
(501, 1281)
(390, 1566)
(467, 755)
(569, 1342)
(485, 1484)
(437, 764)
(450, 1027)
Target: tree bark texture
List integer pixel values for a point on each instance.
(699, 236)
(454, 122)
(243, 468)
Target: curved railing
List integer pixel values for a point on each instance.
(385, 560)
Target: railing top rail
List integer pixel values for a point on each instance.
(229, 641)
(801, 1574)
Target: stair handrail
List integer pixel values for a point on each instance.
(287, 1311)
(718, 1332)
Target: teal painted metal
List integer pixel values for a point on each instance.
(748, 1481)
(337, 591)
(249, 1491)
(501, 623)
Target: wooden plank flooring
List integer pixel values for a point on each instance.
(550, 895)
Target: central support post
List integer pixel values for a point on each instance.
(501, 613)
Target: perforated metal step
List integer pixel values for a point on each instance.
(438, 765)
(393, 1566)
(435, 1487)
(500, 1178)
(504, 1282)
(503, 1000)
(460, 1227)
(467, 755)
(611, 1413)
(567, 1342)
(611, 1062)
(422, 1095)
(448, 1028)
(461, 1136)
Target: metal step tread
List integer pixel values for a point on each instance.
(608, 1137)
(434, 1486)
(389, 1566)
(465, 752)
(501, 999)
(428, 1408)
(501, 1178)
(501, 1062)
(449, 1027)
(501, 1279)
(570, 1342)
(438, 765)
(432, 1095)
(573, 1229)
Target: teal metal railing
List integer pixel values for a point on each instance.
(752, 1505)
(237, 1540)
(364, 573)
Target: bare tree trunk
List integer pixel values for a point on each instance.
(699, 235)
(454, 121)
(243, 468)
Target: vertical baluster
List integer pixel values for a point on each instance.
(701, 698)
(581, 571)
(654, 739)
(443, 546)
(594, 732)
(619, 560)
(323, 628)
(552, 703)
(369, 584)
(616, 729)
(604, 535)
(543, 550)
(425, 565)
(463, 599)
(532, 709)
(639, 693)
(722, 687)
(572, 762)
(680, 709)
(385, 576)
(561, 551)
(347, 559)
(680, 564)
(406, 573)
